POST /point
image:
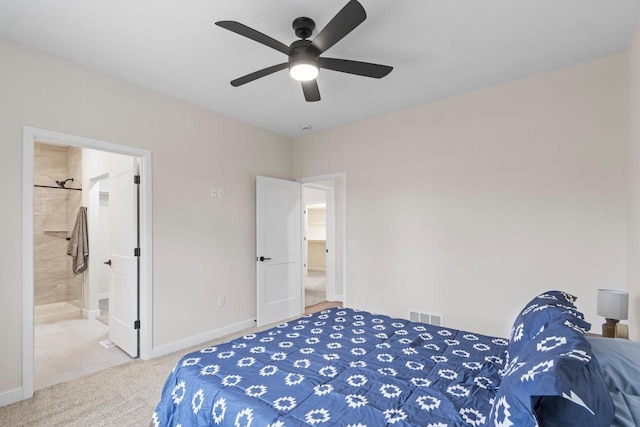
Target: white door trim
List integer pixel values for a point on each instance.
(30, 136)
(331, 177)
(305, 244)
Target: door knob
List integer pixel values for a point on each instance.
(107, 262)
(264, 259)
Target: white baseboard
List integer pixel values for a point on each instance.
(338, 298)
(201, 338)
(90, 314)
(10, 396)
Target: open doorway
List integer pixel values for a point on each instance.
(324, 245)
(317, 242)
(40, 333)
(281, 252)
(73, 286)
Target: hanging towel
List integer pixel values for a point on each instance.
(79, 242)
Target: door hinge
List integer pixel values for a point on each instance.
(136, 251)
(136, 179)
(136, 324)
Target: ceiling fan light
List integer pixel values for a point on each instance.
(303, 70)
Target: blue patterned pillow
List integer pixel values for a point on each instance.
(537, 313)
(554, 381)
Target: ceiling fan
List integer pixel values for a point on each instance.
(304, 55)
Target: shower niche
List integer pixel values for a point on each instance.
(57, 199)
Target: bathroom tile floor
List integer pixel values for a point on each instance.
(67, 349)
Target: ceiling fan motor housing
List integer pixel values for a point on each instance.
(301, 54)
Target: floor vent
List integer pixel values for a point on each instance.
(430, 318)
(107, 343)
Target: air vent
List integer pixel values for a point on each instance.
(430, 318)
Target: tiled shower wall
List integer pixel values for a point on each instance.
(55, 212)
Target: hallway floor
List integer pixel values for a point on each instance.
(68, 349)
(322, 306)
(315, 287)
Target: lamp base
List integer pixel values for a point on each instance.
(613, 329)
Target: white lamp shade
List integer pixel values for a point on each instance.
(303, 70)
(613, 304)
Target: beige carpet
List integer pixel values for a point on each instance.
(122, 396)
(315, 288)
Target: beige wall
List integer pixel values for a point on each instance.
(203, 247)
(316, 256)
(471, 205)
(634, 186)
(316, 238)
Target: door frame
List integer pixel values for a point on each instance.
(31, 135)
(340, 176)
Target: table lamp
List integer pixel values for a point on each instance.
(613, 305)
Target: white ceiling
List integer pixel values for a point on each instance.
(438, 48)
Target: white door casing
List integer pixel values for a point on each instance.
(30, 136)
(339, 257)
(305, 249)
(279, 250)
(123, 277)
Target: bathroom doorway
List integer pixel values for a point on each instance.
(59, 345)
(72, 332)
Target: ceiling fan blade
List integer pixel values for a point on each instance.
(257, 74)
(366, 69)
(343, 23)
(254, 35)
(311, 91)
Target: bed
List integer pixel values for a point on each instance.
(620, 362)
(345, 367)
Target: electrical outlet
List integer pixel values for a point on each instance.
(221, 301)
(380, 300)
(353, 245)
(214, 192)
(220, 193)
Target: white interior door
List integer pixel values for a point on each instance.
(278, 243)
(123, 283)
